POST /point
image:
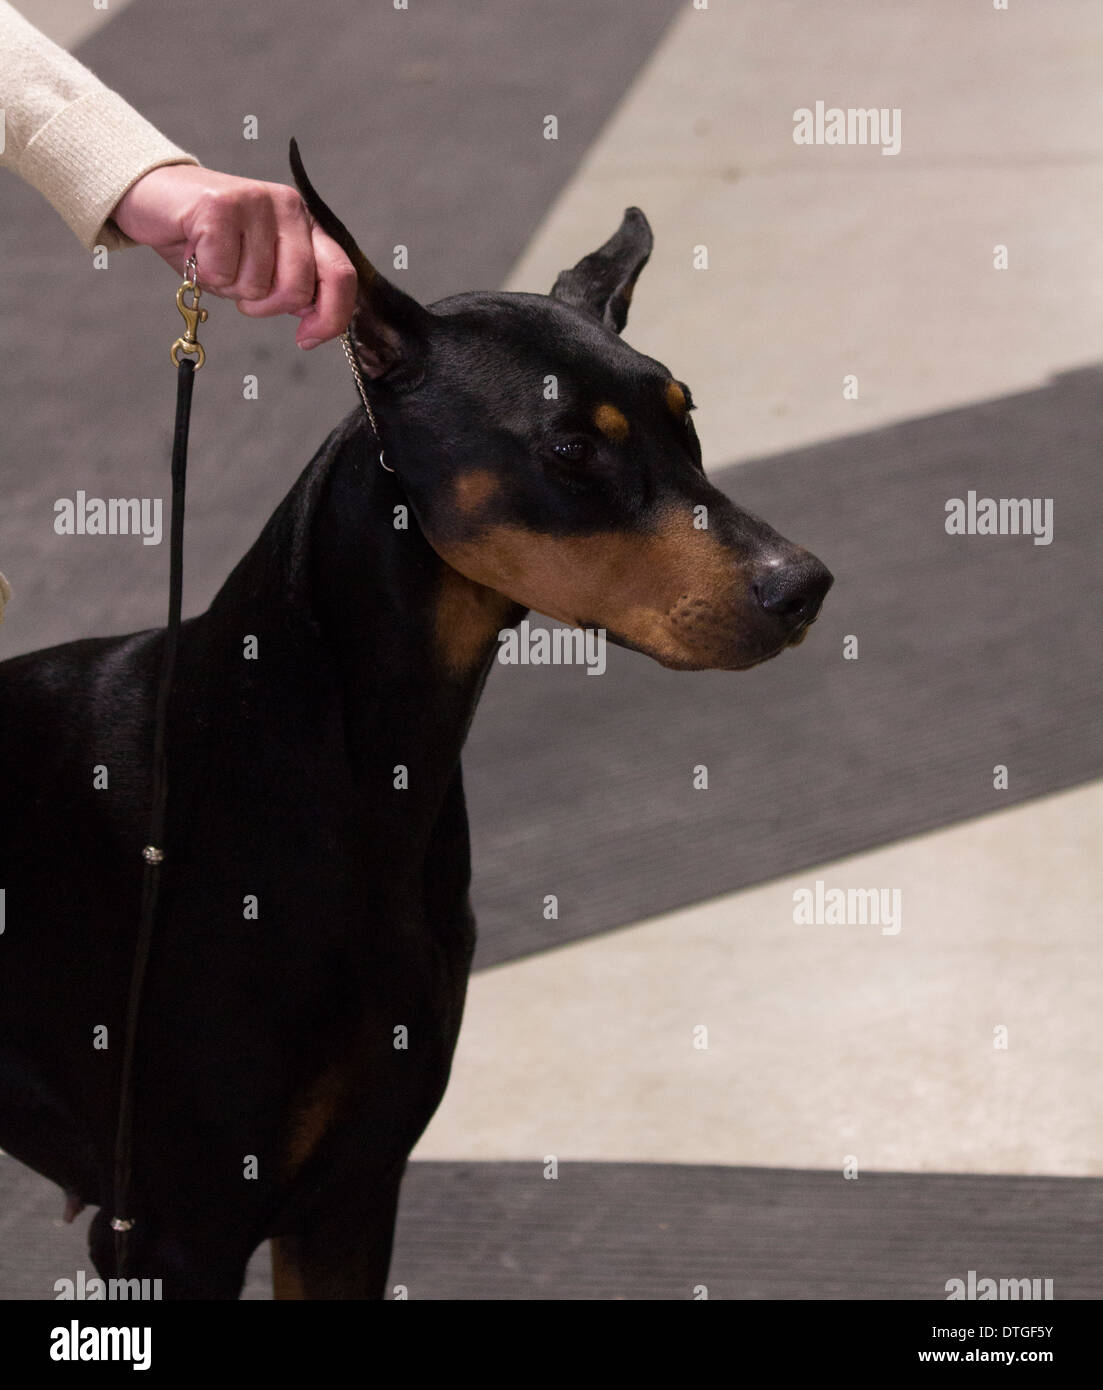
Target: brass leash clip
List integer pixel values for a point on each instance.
(193, 317)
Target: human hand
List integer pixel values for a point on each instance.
(253, 242)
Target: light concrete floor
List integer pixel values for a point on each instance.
(822, 1041)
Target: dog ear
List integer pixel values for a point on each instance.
(389, 328)
(601, 283)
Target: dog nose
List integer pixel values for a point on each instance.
(794, 592)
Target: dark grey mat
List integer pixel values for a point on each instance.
(659, 1231)
(973, 651)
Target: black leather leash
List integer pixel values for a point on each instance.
(187, 356)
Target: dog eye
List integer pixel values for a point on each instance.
(573, 450)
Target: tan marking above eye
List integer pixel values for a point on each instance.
(675, 400)
(611, 422)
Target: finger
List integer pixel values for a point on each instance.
(258, 251)
(335, 298)
(217, 245)
(293, 276)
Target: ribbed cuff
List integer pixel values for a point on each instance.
(86, 157)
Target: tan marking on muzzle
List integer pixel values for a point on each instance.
(673, 591)
(611, 422)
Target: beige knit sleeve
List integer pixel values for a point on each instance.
(68, 135)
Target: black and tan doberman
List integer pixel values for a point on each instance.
(314, 934)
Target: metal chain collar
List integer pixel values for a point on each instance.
(346, 343)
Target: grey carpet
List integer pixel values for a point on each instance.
(603, 1231)
(973, 651)
(657, 1231)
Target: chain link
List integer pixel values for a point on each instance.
(346, 343)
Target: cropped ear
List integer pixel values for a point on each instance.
(389, 328)
(601, 283)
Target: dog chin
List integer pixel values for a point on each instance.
(697, 661)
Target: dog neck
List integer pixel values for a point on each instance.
(362, 621)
